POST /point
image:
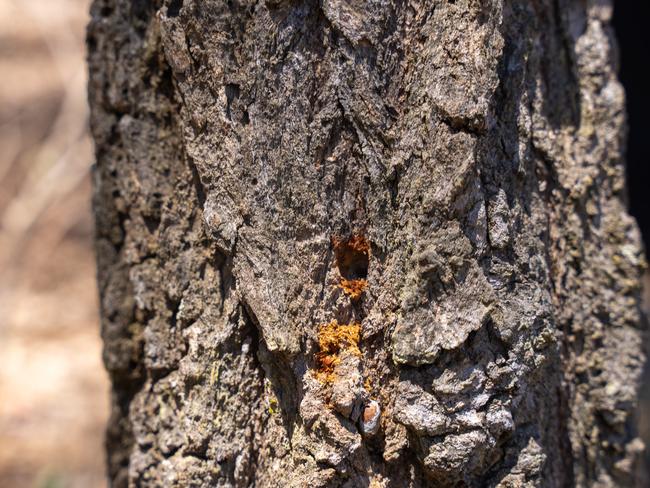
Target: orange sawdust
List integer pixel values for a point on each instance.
(333, 340)
(353, 288)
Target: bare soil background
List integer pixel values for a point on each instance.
(53, 388)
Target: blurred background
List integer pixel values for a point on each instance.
(53, 389)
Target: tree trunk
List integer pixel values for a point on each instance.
(364, 243)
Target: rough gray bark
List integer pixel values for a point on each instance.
(246, 153)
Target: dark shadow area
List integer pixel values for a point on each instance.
(630, 24)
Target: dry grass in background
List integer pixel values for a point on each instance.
(53, 389)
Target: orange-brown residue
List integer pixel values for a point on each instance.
(333, 340)
(353, 288)
(357, 243)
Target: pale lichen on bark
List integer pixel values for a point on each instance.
(477, 147)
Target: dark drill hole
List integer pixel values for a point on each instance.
(352, 257)
(174, 8)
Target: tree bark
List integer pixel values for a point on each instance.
(364, 243)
